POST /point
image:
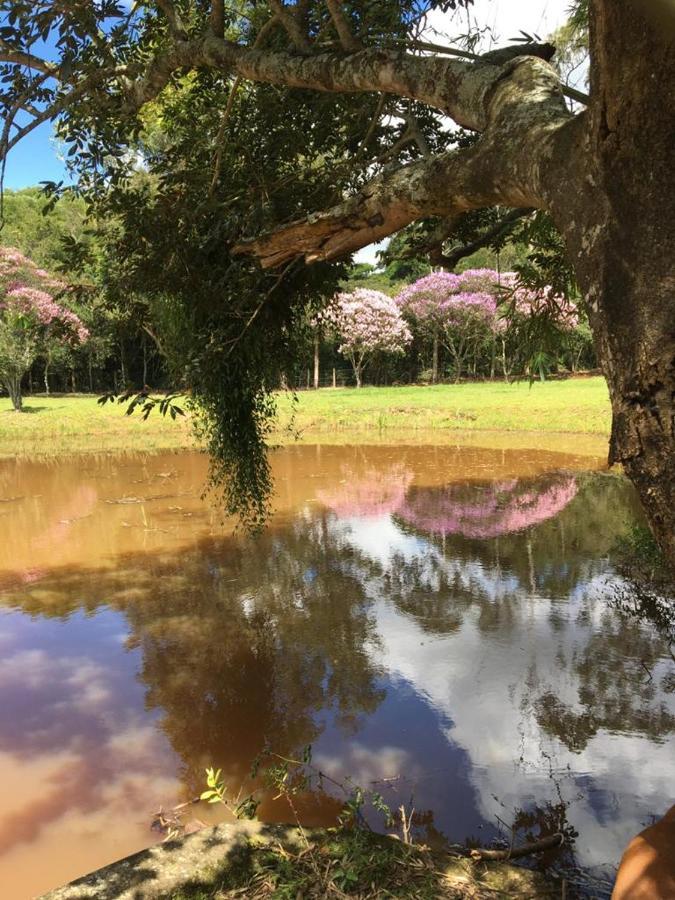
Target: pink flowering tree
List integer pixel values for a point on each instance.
(452, 313)
(30, 319)
(366, 323)
(422, 304)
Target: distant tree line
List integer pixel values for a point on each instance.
(444, 326)
(122, 346)
(401, 322)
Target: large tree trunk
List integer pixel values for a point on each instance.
(621, 238)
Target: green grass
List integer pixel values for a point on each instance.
(75, 423)
(361, 865)
(578, 405)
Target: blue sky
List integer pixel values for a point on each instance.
(34, 159)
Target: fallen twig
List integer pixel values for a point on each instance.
(547, 843)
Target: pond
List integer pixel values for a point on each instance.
(442, 623)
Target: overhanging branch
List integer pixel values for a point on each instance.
(446, 184)
(9, 54)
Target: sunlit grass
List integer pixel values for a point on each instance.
(74, 423)
(579, 405)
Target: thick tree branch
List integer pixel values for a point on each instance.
(460, 89)
(9, 54)
(446, 184)
(529, 132)
(217, 18)
(532, 49)
(517, 105)
(457, 88)
(348, 39)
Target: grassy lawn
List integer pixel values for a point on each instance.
(74, 423)
(579, 405)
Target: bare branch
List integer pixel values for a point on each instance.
(503, 226)
(292, 26)
(416, 134)
(438, 48)
(446, 184)
(348, 39)
(372, 126)
(9, 54)
(574, 94)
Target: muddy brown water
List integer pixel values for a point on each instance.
(439, 623)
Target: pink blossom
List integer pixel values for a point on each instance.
(545, 302)
(30, 301)
(440, 300)
(458, 308)
(369, 320)
(486, 281)
(372, 495)
(489, 509)
(366, 322)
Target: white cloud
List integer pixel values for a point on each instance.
(504, 18)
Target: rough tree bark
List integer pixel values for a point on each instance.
(13, 385)
(620, 237)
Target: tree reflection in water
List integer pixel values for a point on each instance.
(487, 510)
(458, 634)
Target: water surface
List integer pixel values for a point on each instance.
(439, 622)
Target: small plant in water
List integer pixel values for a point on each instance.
(216, 787)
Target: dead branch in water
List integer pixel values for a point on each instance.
(547, 843)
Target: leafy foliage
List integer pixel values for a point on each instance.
(30, 319)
